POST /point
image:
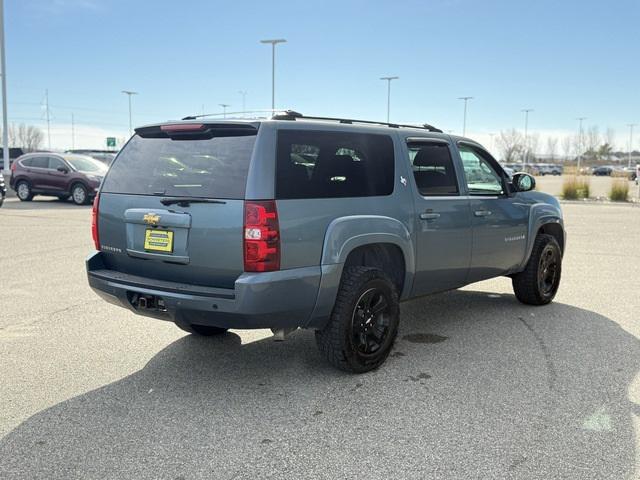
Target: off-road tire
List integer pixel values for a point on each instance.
(527, 284)
(202, 330)
(335, 340)
(29, 196)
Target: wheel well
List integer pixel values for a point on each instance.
(554, 229)
(385, 256)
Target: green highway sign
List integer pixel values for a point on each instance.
(111, 142)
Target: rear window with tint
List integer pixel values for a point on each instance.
(313, 164)
(208, 168)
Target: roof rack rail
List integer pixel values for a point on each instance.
(225, 114)
(292, 115)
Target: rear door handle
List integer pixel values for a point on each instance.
(429, 216)
(482, 213)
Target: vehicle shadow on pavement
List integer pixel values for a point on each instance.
(41, 203)
(478, 386)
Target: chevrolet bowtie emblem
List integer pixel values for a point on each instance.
(151, 218)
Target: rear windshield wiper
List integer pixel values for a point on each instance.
(185, 201)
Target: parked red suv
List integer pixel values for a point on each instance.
(60, 175)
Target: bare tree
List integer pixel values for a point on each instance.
(27, 137)
(591, 142)
(610, 137)
(509, 143)
(552, 148)
(567, 146)
(533, 141)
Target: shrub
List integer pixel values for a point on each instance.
(619, 190)
(574, 188)
(584, 187)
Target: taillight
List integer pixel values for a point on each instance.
(261, 236)
(13, 166)
(94, 222)
(182, 127)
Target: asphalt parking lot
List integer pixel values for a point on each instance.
(478, 385)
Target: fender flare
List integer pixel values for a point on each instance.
(343, 235)
(541, 214)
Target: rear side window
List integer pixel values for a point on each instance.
(312, 164)
(433, 169)
(38, 162)
(210, 168)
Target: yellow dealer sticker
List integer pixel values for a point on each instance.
(158, 240)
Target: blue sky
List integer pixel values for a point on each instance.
(564, 59)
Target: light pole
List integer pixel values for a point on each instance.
(388, 79)
(244, 100)
(491, 135)
(464, 122)
(129, 93)
(3, 66)
(273, 43)
(224, 109)
(580, 119)
(630, 125)
(526, 146)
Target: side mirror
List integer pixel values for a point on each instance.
(62, 170)
(523, 182)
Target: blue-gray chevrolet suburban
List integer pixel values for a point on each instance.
(312, 222)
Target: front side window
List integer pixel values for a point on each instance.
(433, 169)
(482, 178)
(312, 164)
(55, 163)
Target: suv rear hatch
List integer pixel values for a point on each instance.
(171, 206)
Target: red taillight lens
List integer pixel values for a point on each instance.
(94, 222)
(182, 127)
(261, 236)
(13, 166)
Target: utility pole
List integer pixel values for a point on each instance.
(526, 144)
(224, 109)
(3, 66)
(580, 119)
(389, 79)
(630, 125)
(464, 122)
(129, 93)
(244, 101)
(73, 134)
(273, 43)
(46, 106)
(491, 135)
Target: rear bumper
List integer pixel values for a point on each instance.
(279, 299)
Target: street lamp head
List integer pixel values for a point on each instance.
(129, 92)
(274, 41)
(465, 98)
(389, 78)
